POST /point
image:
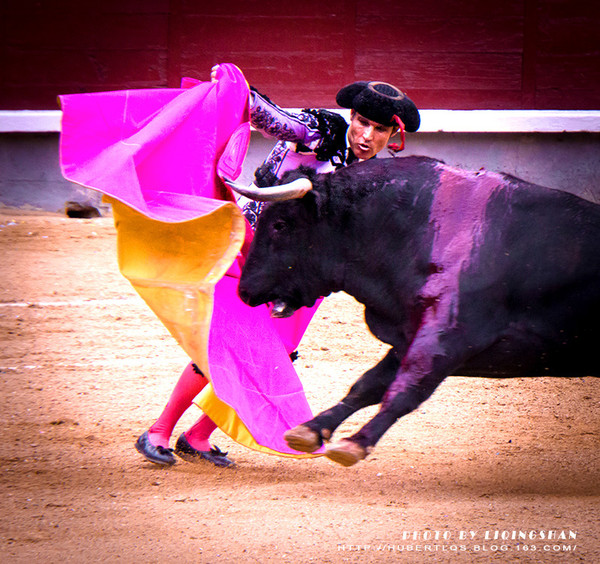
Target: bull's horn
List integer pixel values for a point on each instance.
(290, 191)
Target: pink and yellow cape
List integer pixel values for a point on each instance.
(157, 156)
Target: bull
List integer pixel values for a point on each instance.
(474, 273)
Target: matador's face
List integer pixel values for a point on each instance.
(367, 137)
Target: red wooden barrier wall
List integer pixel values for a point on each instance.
(456, 54)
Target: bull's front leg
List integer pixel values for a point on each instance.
(425, 366)
(369, 389)
(348, 452)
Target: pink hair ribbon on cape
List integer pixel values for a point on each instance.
(157, 156)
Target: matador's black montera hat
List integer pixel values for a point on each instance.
(380, 102)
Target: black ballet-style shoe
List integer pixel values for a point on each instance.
(157, 454)
(187, 452)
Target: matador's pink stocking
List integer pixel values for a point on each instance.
(189, 385)
(200, 432)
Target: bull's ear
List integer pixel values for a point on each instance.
(313, 202)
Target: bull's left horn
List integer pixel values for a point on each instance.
(290, 191)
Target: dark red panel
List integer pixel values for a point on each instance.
(430, 34)
(55, 8)
(446, 70)
(444, 53)
(267, 9)
(97, 69)
(292, 59)
(78, 31)
(568, 72)
(439, 9)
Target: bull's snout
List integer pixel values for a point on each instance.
(244, 294)
(279, 307)
(248, 290)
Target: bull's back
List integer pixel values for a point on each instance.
(521, 261)
(537, 269)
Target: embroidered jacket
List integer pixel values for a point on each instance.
(313, 138)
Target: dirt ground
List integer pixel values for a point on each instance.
(85, 367)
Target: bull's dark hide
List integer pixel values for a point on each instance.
(81, 210)
(461, 272)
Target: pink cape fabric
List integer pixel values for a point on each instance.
(251, 368)
(161, 152)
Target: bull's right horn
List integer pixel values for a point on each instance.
(290, 191)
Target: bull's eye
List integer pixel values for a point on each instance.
(278, 226)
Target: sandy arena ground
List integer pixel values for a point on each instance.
(85, 367)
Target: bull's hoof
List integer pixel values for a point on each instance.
(345, 452)
(303, 439)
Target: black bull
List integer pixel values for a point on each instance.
(470, 273)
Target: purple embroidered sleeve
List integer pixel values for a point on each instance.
(273, 121)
